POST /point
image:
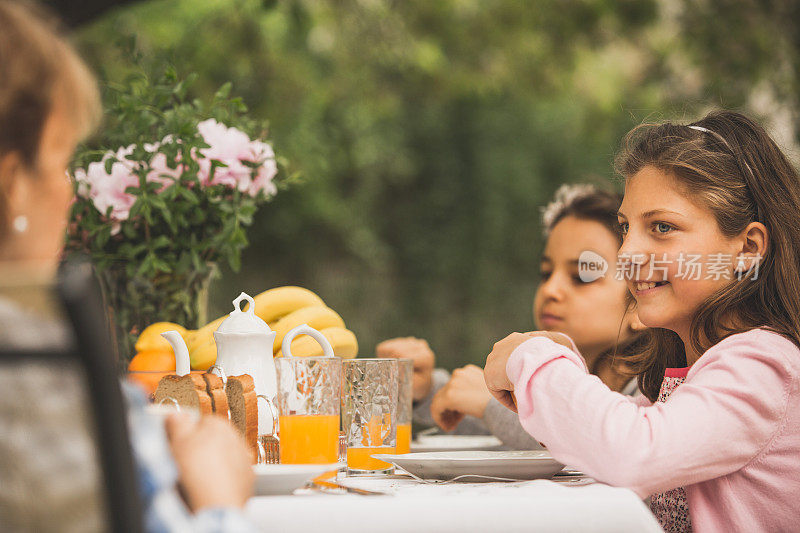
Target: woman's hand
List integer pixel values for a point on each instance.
(418, 351)
(213, 463)
(495, 371)
(464, 394)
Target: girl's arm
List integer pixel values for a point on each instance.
(714, 424)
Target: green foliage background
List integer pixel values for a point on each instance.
(429, 134)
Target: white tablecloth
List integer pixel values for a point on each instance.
(463, 507)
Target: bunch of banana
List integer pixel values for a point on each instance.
(342, 340)
(270, 306)
(283, 308)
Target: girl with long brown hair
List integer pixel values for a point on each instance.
(711, 253)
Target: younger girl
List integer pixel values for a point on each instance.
(716, 441)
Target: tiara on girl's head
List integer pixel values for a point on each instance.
(739, 160)
(565, 196)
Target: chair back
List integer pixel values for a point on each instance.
(66, 462)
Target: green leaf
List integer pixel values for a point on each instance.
(189, 195)
(162, 266)
(224, 91)
(146, 266)
(161, 242)
(235, 261)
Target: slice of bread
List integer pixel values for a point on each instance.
(188, 391)
(243, 405)
(216, 391)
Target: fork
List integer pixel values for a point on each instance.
(269, 445)
(269, 450)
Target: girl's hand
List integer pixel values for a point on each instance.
(464, 394)
(495, 371)
(418, 351)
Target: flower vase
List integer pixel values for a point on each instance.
(135, 302)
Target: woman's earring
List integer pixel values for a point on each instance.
(20, 224)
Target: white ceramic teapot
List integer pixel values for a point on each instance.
(244, 346)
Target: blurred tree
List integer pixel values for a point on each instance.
(747, 54)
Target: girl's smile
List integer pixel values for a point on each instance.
(646, 288)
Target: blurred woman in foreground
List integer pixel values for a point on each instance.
(48, 103)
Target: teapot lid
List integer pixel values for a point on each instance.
(243, 321)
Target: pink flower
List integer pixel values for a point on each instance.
(108, 190)
(229, 146)
(160, 172)
(121, 154)
(233, 148)
(83, 183)
(263, 180)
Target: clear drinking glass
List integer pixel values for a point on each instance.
(405, 398)
(308, 402)
(369, 409)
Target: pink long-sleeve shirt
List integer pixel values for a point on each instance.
(730, 434)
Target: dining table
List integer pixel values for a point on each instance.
(400, 503)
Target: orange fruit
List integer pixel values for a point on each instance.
(153, 360)
(150, 338)
(148, 380)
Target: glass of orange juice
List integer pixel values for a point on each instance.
(369, 413)
(308, 403)
(405, 398)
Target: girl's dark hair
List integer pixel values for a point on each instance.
(588, 202)
(729, 164)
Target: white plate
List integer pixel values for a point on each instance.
(505, 464)
(285, 479)
(450, 443)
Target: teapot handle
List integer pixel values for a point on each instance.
(305, 329)
(251, 309)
